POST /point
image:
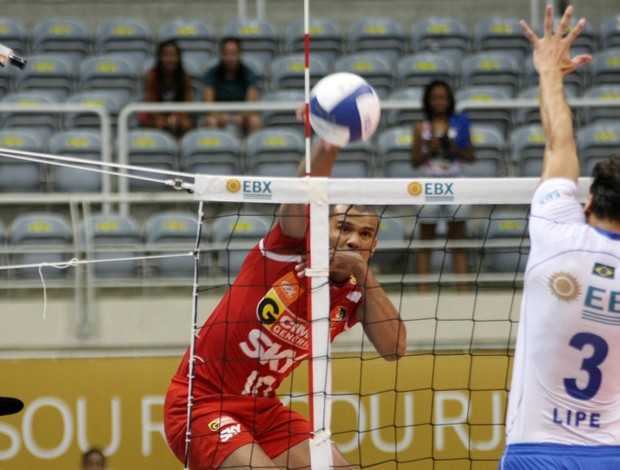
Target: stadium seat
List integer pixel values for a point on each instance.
(394, 148)
(259, 38)
(210, 151)
(532, 115)
(109, 72)
(274, 152)
(399, 117)
(112, 100)
(489, 151)
(14, 34)
(381, 35)
(596, 142)
(172, 232)
(486, 94)
(195, 65)
(505, 246)
(287, 72)
(235, 235)
(39, 121)
(440, 34)
(43, 237)
(112, 236)
(191, 34)
(417, 70)
(18, 175)
(355, 160)
(503, 35)
(491, 68)
(326, 39)
(605, 67)
(527, 145)
(590, 114)
(130, 37)
(151, 148)
(373, 68)
(392, 253)
(609, 32)
(286, 118)
(84, 144)
(47, 72)
(63, 35)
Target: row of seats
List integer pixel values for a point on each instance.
(72, 36)
(276, 152)
(60, 76)
(48, 237)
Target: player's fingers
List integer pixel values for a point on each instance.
(576, 31)
(529, 34)
(565, 21)
(548, 25)
(581, 59)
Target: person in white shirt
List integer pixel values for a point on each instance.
(564, 402)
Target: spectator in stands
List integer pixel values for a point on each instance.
(93, 459)
(168, 82)
(441, 148)
(231, 80)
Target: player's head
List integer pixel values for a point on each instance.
(604, 201)
(93, 459)
(353, 227)
(438, 98)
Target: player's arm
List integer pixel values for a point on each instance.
(380, 319)
(292, 217)
(553, 62)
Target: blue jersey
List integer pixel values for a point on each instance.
(566, 374)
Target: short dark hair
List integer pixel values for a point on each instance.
(426, 100)
(605, 189)
(93, 451)
(227, 39)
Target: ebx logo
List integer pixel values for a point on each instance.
(251, 189)
(432, 190)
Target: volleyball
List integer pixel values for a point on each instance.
(344, 108)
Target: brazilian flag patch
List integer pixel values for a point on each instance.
(602, 270)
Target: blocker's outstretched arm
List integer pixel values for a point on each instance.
(292, 217)
(553, 62)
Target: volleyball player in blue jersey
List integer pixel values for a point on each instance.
(564, 404)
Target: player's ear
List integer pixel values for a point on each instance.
(374, 246)
(587, 209)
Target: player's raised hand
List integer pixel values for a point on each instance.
(552, 51)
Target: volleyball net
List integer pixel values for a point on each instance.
(443, 404)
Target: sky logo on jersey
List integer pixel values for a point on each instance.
(257, 189)
(602, 270)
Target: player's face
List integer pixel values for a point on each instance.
(353, 230)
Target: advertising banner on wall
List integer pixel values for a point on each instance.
(423, 412)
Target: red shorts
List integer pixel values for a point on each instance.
(220, 425)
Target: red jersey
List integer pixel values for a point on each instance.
(260, 332)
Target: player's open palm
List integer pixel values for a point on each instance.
(552, 51)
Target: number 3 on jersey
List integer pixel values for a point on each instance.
(589, 365)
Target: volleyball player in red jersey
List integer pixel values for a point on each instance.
(259, 333)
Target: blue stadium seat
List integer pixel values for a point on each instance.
(287, 72)
(112, 100)
(14, 34)
(41, 237)
(596, 142)
(38, 121)
(394, 148)
(609, 32)
(502, 35)
(326, 38)
(484, 94)
(381, 35)
(18, 175)
(417, 70)
(605, 67)
(527, 145)
(591, 114)
(505, 241)
(355, 160)
(191, 34)
(125, 36)
(493, 68)
(373, 68)
(489, 151)
(285, 118)
(210, 151)
(441, 34)
(112, 236)
(77, 143)
(151, 148)
(398, 117)
(48, 72)
(274, 152)
(109, 72)
(172, 232)
(236, 234)
(70, 37)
